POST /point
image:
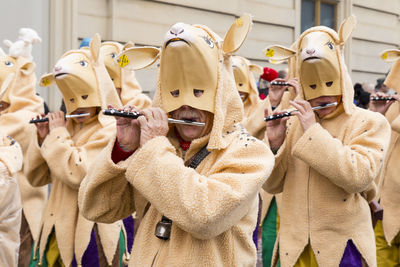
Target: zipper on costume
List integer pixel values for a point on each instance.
(308, 202)
(158, 251)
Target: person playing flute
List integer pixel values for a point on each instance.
(18, 103)
(194, 188)
(326, 160)
(62, 152)
(387, 229)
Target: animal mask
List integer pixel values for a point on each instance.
(191, 56)
(242, 69)
(393, 78)
(318, 59)
(75, 76)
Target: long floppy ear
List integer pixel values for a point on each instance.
(8, 80)
(28, 68)
(47, 80)
(137, 58)
(279, 53)
(95, 44)
(346, 28)
(255, 69)
(128, 45)
(390, 55)
(2, 54)
(236, 34)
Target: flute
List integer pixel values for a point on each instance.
(135, 115)
(66, 116)
(383, 98)
(280, 83)
(289, 113)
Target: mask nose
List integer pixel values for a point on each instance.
(177, 29)
(310, 51)
(57, 68)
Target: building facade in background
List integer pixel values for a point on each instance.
(63, 23)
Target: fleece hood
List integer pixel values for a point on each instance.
(327, 45)
(225, 102)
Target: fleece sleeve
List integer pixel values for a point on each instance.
(395, 124)
(35, 167)
(105, 195)
(67, 161)
(204, 203)
(354, 165)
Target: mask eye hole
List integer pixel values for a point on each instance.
(8, 63)
(329, 84)
(330, 45)
(313, 86)
(83, 63)
(175, 93)
(84, 97)
(198, 92)
(240, 84)
(209, 41)
(113, 55)
(72, 100)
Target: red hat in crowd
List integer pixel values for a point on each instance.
(269, 74)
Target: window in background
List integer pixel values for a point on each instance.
(318, 12)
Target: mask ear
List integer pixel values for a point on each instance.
(6, 84)
(137, 58)
(95, 44)
(346, 28)
(236, 34)
(7, 43)
(255, 69)
(28, 68)
(390, 55)
(47, 80)
(279, 53)
(128, 45)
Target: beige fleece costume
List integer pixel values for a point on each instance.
(18, 79)
(213, 208)
(124, 78)
(253, 119)
(389, 182)
(323, 172)
(67, 154)
(10, 201)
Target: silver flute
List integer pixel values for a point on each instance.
(289, 113)
(66, 116)
(135, 115)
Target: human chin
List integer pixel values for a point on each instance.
(189, 133)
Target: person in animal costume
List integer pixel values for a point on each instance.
(19, 103)
(254, 123)
(326, 161)
(387, 229)
(62, 152)
(10, 201)
(194, 188)
(128, 88)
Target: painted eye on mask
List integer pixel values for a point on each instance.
(9, 64)
(208, 41)
(83, 63)
(330, 45)
(113, 55)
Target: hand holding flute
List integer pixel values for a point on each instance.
(54, 120)
(381, 102)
